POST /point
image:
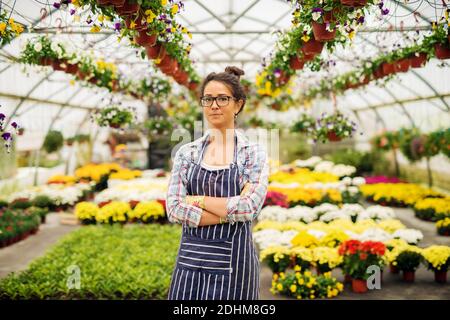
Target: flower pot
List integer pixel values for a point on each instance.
(166, 62)
(347, 278)
(140, 22)
(333, 137)
(193, 85)
(155, 52)
(144, 39)
(115, 85)
(418, 61)
(354, 3)
(388, 68)
(115, 125)
(359, 286)
(71, 68)
(442, 52)
(378, 72)
(128, 8)
(440, 276)
(45, 62)
(365, 80)
(296, 63)
(104, 2)
(321, 33)
(56, 64)
(394, 269)
(43, 218)
(133, 203)
(408, 276)
(309, 57)
(402, 65)
(117, 3)
(312, 47)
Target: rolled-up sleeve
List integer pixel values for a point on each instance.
(177, 210)
(247, 207)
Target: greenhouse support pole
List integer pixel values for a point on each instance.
(430, 173)
(397, 167)
(36, 166)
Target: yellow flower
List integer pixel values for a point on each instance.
(2, 27)
(305, 38)
(436, 256)
(95, 29)
(86, 210)
(279, 287)
(174, 9)
(304, 239)
(163, 3)
(147, 210)
(293, 288)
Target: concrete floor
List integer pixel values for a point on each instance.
(18, 256)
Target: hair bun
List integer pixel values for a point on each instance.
(235, 70)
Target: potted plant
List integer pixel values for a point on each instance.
(333, 127)
(437, 259)
(304, 124)
(9, 28)
(53, 141)
(443, 227)
(357, 257)
(408, 261)
(114, 116)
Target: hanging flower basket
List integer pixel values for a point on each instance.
(296, 63)
(332, 136)
(156, 52)
(117, 3)
(166, 62)
(104, 2)
(128, 8)
(354, 3)
(359, 286)
(402, 65)
(388, 68)
(58, 65)
(144, 39)
(71, 68)
(442, 52)
(378, 72)
(321, 33)
(140, 22)
(440, 276)
(418, 61)
(312, 47)
(193, 85)
(45, 62)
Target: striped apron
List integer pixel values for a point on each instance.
(216, 262)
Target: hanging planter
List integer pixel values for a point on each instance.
(296, 63)
(45, 61)
(312, 47)
(128, 8)
(332, 136)
(442, 51)
(193, 85)
(321, 33)
(402, 65)
(144, 39)
(388, 68)
(418, 60)
(71, 68)
(156, 52)
(117, 3)
(354, 3)
(58, 65)
(378, 72)
(166, 62)
(140, 22)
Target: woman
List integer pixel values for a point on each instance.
(217, 258)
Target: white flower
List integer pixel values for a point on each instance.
(358, 181)
(334, 215)
(302, 213)
(325, 207)
(37, 47)
(347, 181)
(377, 213)
(374, 234)
(412, 236)
(316, 15)
(316, 233)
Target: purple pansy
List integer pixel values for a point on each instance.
(57, 5)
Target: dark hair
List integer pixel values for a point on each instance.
(231, 78)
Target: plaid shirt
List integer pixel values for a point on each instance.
(253, 167)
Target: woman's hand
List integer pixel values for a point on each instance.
(197, 201)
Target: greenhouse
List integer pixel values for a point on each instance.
(119, 178)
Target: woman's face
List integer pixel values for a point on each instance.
(220, 117)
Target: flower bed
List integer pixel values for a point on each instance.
(134, 262)
(119, 212)
(16, 225)
(432, 209)
(397, 194)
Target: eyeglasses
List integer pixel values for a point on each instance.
(221, 101)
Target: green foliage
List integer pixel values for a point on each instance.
(42, 202)
(54, 141)
(131, 262)
(409, 260)
(20, 204)
(14, 223)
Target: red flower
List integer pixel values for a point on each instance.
(363, 256)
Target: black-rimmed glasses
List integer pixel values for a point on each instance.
(221, 101)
